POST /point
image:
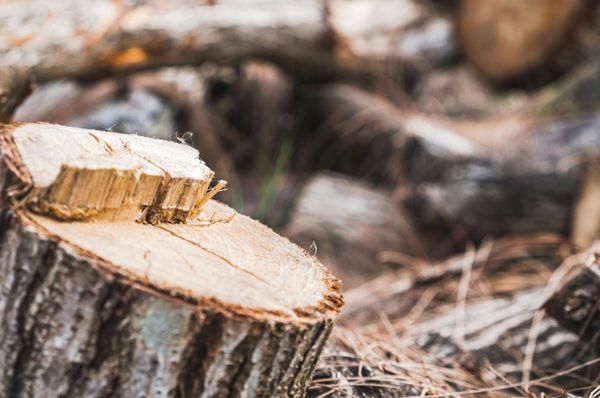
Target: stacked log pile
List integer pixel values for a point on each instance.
(441, 158)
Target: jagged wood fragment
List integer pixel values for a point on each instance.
(77, 174)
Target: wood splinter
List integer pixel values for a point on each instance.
(193, 301)
(74, 174)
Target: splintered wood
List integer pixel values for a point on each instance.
(112, 246)
(76, 174)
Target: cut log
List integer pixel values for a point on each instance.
(63, 101)
(525, 177)
(349, 223)
(121, 39)
(107, 38)
(531, 183)
(194, 300)
(132, 111)
(365, 134)
(505, 39)
(355, 365)
(118, 38)
(576, 303)
(492, 338)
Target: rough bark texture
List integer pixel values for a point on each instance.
(72, 330)
(77, 325)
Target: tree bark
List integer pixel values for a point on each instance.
(208, 306)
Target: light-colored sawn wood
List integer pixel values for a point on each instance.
(88, 175)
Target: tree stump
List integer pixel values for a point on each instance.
(119, 277)
(506, 38)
